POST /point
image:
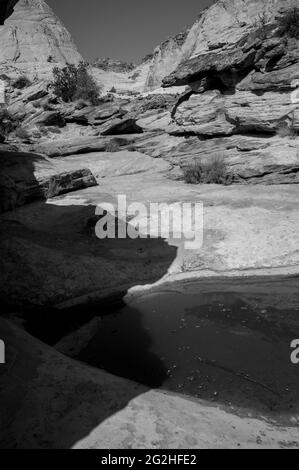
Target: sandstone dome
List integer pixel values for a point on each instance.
(33, 40)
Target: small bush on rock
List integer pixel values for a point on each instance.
(212, 171)
(73, 83)
(86, 88)
(289, 23)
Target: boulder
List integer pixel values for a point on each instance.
(72, 146)
(27, 177)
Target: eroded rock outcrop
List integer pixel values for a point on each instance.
(212, 113)
(27, 177)
(242, 76)
(228, 39)
(235, 76)
(6, 9)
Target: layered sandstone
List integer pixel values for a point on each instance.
(220, 39)
(6, 9)
(33, 41)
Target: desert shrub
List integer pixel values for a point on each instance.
(87, 88)
(21, 82)
(65, 81)
(289, 23)
(212, 171)
(73, 83)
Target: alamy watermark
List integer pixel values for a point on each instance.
(181, 220)
(295, 353)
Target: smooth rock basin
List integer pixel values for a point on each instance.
(229, 346)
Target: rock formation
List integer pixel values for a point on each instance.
(33, 40)
(217, 41)
(228, 91)
(221, 40)
(6, 9)
(219, 36)
(27, 177)
(231, 93)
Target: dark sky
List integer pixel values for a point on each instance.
(124, 29)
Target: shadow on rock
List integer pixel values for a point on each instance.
(49, 255)
(49, 401)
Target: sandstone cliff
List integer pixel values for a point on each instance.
(235, 75)
(6, 9)
(222, 39)
(218, 40)
(33, 40)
